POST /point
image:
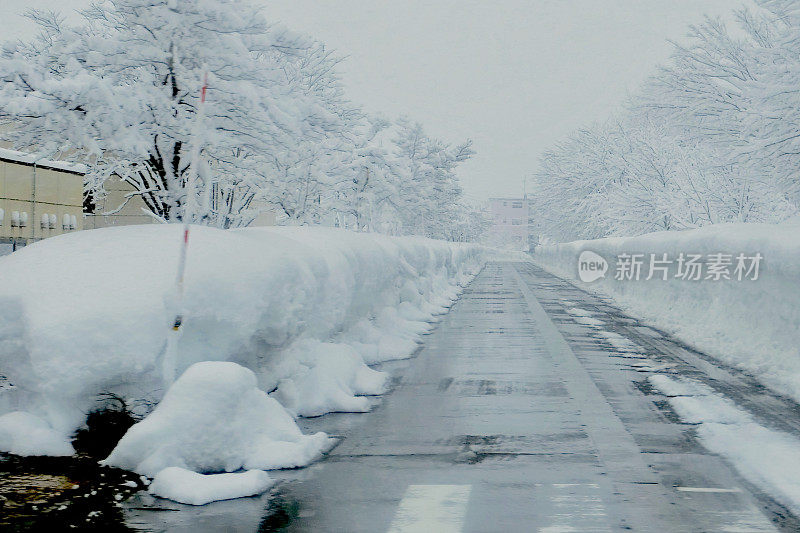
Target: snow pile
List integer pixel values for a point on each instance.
(214, 418)
(327, 377)
(185, 486)
(303, 308)
(764, 456)
(754, 324)
(22, 433)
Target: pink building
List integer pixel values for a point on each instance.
(510, 223)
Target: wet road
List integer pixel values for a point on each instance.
(523, 411)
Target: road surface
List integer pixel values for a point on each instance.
(516, 415)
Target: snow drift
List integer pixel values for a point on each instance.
(89, 312)
(752, 324)
(22, 433)
(764, 456)
(191, 488)
(215, 419)
(327, 377)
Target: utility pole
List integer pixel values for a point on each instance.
(525, 187)
(33, 204)
(527, 212)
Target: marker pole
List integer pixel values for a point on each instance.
(170, 357)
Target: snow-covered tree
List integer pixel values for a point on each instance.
(472, 224)
(120, 92)
(427, 187)
(712, 137)
(360, 200)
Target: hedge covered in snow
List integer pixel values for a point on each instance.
(754, 324)
(301, 308)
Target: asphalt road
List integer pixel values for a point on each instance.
(516, 415)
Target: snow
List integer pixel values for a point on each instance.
(329, 377)
(751, 324)
(673, 387)
(29, 159)
(577, 311)
(766, 457)
(22, 433)
(304, 308)
(588, 321)
(214, 418)
(185, 486)
(619, 342)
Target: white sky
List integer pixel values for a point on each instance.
(513, 75)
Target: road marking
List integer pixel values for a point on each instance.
(705, 489)
(426, 508)
(576, 508)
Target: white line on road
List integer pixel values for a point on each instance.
(426, 508)
(576, 508)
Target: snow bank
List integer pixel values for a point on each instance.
(752, 324)
(214, 418)
(22, 433)
(327, 377)
(185, 486)
(304, 308)
(764, 456)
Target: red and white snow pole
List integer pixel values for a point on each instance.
(187, 210)
(170, 355)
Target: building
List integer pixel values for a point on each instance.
(511, 223)
(43, 198)
(38, 199)
(117, 207)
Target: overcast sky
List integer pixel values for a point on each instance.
(513, 75)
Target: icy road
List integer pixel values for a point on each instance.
(527, 409)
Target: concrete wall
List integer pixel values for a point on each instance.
(265, 218)
(51, 188)
(38, 190)
(132, 212)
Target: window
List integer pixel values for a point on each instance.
(89, 206)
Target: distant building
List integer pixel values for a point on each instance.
(511, 223)
(38, 199)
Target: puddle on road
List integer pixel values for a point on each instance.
(57, 493)
(270, 512)
(279, 513)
